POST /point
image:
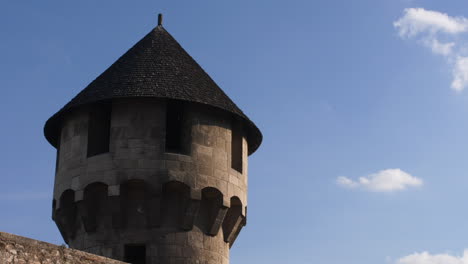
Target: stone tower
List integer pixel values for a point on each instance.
(152, 160)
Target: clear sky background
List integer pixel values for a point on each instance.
(362, 105)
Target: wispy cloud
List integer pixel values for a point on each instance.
(428, 28)
(418, 20)
(390, 180)
(439, 48)
(427, 258)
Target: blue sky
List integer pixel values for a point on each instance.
(363, 105)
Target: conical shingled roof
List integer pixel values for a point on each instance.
(157, 66)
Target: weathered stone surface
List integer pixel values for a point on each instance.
(16, 249)
(136, 206)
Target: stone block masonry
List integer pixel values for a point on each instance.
(183, 207)
(21, 250)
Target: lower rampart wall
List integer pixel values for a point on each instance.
(21, 250)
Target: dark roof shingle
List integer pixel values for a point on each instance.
(157, 66)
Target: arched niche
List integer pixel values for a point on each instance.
(212, 211)
(93, 207)
(233, 220)
(65, 216)
(134, 196)
(174, 203)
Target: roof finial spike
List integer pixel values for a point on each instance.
(160, 19)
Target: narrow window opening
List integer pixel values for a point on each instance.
(54, 206)
(174, 127)
(135, 254)
(57, 159)
(99, 130)
(236, 146)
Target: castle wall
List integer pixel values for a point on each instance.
(17, 249)
(182, 207)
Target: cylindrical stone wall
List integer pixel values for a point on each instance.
(183, 207)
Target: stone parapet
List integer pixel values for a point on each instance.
(17, 249)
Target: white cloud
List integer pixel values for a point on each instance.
(426, 258)
(427, 27)
(438, 47)
(460, 74)
(389, 180)
(419, 20)
(346, 182)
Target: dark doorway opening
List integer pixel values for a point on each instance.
(135, 254)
